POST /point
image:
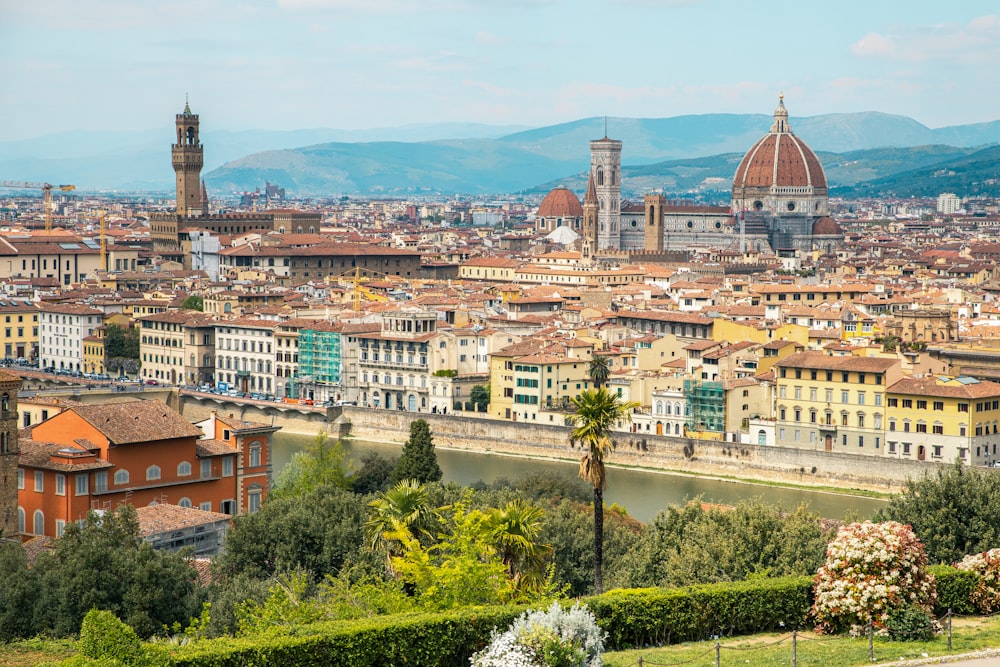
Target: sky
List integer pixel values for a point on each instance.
(68, 65)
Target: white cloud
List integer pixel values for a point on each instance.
(977, 42)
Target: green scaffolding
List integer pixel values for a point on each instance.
(319, 357)
(706, 406)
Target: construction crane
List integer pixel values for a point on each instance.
(104, 243)
(46, 189)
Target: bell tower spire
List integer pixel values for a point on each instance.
(780, 125)
(188, 157)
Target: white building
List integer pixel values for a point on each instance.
(244, 356)
(948, 203)
(61, 331)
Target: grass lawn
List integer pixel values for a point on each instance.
(968, 634)
(33, 651)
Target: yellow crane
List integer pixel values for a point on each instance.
(46, 189)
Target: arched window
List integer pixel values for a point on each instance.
(5, 402)
(121, 476)
(183, 469)
(38, 523)
(761, 437)
(20, 519)
(184, 502)
(152, 473)
(600, 176)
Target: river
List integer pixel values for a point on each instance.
(642, 493)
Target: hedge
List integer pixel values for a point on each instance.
(631, 619)
(651, 616)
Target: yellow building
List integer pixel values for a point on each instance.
(526, 379)
(731, 330)
(833, 403)
(941, 418)
(19, 330)
(94, 352)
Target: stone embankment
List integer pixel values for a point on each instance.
(480, 434)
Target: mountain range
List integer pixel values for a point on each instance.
(863, 153)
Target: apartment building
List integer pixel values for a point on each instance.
(62, 328)
(834, 403)
(19, 330)
(394, 363)
(244, 355)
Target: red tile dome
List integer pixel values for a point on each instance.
(780, 159)
(560, 203)
(826, 226)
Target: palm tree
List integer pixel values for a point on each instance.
(597, 411)
(398, 514)
(599, 370)
(514, 532)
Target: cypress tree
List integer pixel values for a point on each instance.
(418, 460)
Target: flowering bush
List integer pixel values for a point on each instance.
(871, 570)
(556, 637)
(986, 594)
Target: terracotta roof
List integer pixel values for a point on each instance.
(822, 361)
(780, 159)
(36, 454)
(137, 421)
(946, 388)
(207, 448)
(164, 518)
(560, 203)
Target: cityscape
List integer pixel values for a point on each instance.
(223, 402)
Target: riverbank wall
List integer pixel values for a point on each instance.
(483, 435)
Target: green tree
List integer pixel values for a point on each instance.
(597, 412)
(319, 531)
(322, 463)
(515, 532)
(400, 514)
(480, 397)
(955, 511)
(193, 302)
(418, 460)
(694, 544)
(121, 343)
(599, 370)
(104, 564)
(18, 592)
(374, 474)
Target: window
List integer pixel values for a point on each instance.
(812, 393)
(921, 405)
(254, 498)
(861, 441)
(20, 481)
(938, 428)
(798, 393)
(38, 523)
(206, 468)
(60, 527)
(60, 484)
(907, 402)
(861, 420)
(829, 395)
(184, 502)
(878, 399)
(963, 407)
(39, 481)
(861, 398)
(798, 414)
(205, 506)
(227, 466)
(861, 378)
(921, 427)
(152, 473)
(936, 451)
(100, 481)
(227, 507)
(82, 484)
(121, 476)
(893, 402)
(939, 405)
(845, 396)
(254, 457)
(892, 447)
(183, 469)
(906, 425)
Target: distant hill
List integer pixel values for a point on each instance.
(971, 174)
(658, 153)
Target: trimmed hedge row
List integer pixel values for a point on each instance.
(431, 640)
(631, 619)
(651, 616)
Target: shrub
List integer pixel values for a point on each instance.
(910, 624)
(985, 595)
(102, 635)
(871, 569)
(555, 637)
(954, 590)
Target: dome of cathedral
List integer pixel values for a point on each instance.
(560, 203)
(780, 160)
(826, 226)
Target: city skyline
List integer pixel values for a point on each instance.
(347, 64)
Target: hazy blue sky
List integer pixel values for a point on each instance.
(292, 64)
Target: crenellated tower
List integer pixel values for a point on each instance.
(188, 157)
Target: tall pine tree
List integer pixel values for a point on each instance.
(418, 460)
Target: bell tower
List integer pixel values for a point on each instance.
(188, 158)
(9, 451)
(605, 168)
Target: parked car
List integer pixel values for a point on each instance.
(152, 382)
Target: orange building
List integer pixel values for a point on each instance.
(138, 452)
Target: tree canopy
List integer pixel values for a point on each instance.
(418, 460)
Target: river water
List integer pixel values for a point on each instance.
(642, 493)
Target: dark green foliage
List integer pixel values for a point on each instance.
(103, 635)
(692, 545)
(119, 342)
(537, 486)
(425, 640)
(955, 511)
(18, 593)
(318, 531)
(954, 590)
(105, 565)
(568, 528)
(228, 592)
(910, 624)
(636, 618)
(193, 302)
(480, 397)
(374, 474)
(418, 461)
